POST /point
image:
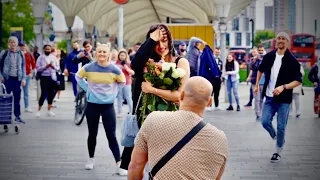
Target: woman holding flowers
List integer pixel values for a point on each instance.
(158, 48)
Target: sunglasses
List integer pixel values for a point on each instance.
(183, 50)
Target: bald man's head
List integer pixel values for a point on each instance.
(197, 92)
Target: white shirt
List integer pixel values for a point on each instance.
(274, 74)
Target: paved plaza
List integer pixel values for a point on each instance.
(55, 148)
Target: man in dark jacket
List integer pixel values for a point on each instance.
(217, 81)
(313, 75)
(282, 74)
(136, 48)
(215, 71)
(71, 68)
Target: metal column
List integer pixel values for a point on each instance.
(120, 35)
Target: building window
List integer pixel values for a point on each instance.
(235, 26)
(246, 24)
(228, 39)
(238, 39)
(248, 39)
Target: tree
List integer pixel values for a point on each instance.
(62, 45)
(262, 36)
(17, 14)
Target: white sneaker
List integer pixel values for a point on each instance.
(57, 100)
(217, 109)
(121, 172)
(28, 110)
(208, 108)
(38, 114)
(90, 164)
(119, 116)
(50, 113)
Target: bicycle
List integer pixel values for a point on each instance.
(81, 105)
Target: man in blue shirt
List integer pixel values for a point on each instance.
(72, 68)
(257, 59)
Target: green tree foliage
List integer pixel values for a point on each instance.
(17, 14)
(62, 45)
(262, 36)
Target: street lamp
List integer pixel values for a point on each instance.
(252, 33)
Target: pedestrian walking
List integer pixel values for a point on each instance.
(282, 74)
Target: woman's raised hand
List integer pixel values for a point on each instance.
(159, 34)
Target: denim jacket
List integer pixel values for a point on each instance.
(7, 64)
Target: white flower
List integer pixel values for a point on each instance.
(181, 72)
(173, 65)
(175, 74)
(165, 66)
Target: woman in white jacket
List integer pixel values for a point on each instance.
(296, 95)
(232, 77)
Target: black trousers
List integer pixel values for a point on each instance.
(216, 85)
(93, 113)
(47, 89)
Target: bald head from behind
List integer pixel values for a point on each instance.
(196, 94)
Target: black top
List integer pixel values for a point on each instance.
(84, 60)
(313, 74)
(36, 55)
(289, 71)
(145, 52)
(62, 64)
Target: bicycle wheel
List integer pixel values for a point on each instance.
(81, 105)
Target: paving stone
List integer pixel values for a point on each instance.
(55, 149)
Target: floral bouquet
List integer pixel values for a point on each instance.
(161, 75)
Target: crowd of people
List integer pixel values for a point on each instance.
(110, 76)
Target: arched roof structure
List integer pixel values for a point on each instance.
(139, 15)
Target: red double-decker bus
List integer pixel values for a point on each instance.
(317, 50)
(302, 46)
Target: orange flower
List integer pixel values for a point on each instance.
(158, 72)
(159, 66)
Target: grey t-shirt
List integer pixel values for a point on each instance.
(13, 71)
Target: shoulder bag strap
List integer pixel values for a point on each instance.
(137, 106)
(194, 131)
(3, 58)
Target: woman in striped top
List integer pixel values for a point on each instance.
(101, 86)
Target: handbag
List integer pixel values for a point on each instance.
(130, 128)
(194, 131)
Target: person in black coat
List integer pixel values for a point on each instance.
(85, 56)
(158, 42)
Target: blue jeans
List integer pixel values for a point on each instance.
(14, 85)
(233, 86)
(74, 84)
(270, 108)
(126, 92)
(26, 92)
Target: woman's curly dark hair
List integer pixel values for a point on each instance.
(171, 53)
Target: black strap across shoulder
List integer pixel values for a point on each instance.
(194, 131)
(177, 60)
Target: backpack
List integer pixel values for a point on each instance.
(2, 60)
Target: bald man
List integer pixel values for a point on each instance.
(203, 157)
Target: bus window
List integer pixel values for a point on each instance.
(303, 41)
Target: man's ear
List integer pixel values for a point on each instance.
(210, 102)
(182, 96)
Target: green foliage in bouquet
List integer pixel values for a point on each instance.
(164, 76)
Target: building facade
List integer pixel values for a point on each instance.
(239, 33)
